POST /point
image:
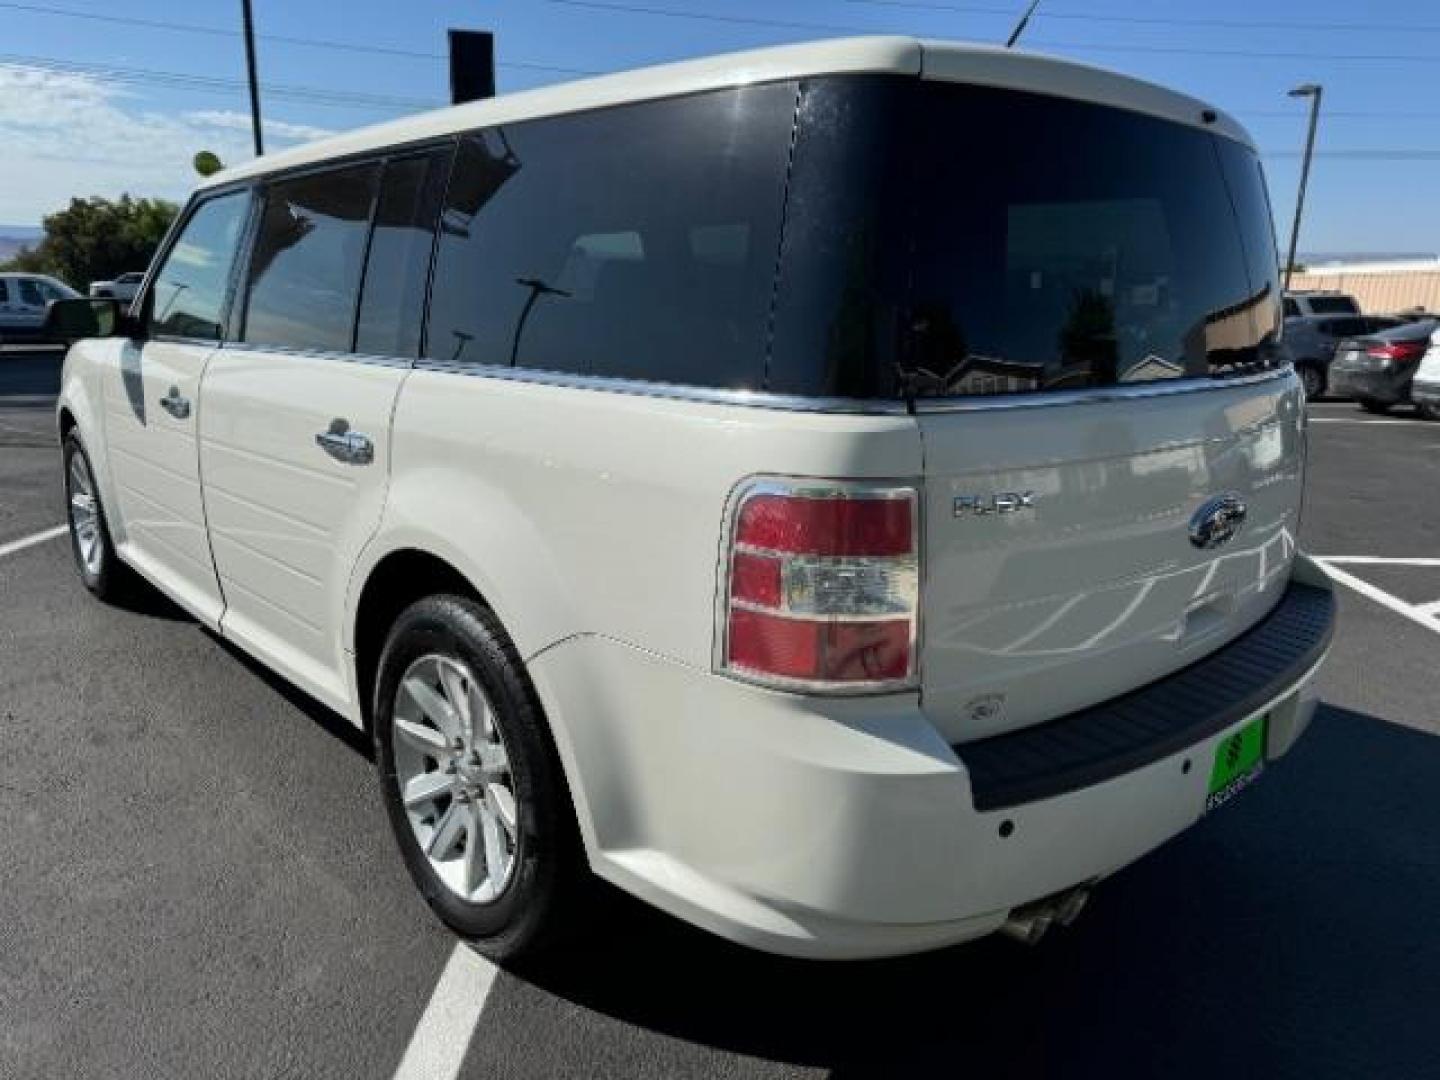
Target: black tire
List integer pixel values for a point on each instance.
(1427, 410)
(103, 574)
(548, 874)
(1379, 408)
(1312, 379)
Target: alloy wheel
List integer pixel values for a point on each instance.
(453, 775)
(85, 515)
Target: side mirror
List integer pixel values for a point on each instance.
(87, 317)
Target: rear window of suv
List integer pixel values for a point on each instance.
(1012, 242)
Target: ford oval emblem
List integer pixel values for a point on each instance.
(1217, 522)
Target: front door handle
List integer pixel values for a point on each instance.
(345, 445)
(175, 405)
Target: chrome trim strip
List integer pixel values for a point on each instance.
(761, 399)
(318, 354)
(1051, 398)
(755, 399)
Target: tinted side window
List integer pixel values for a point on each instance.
(190, 291)
(1333, 305)
(4, 291)
(305, 271)
(392, 303)
(1292, 309)
(637, 241)
(30, 293)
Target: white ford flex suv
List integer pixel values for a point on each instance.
(845, 495)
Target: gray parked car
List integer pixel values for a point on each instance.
(1312, 340)
(1377, 370)
(23, 301)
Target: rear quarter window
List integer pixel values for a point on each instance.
(637, 242)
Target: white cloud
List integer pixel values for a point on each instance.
(66, 134)
(228, 120)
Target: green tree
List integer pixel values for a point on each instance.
(95, 238)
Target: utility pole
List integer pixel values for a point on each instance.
(1020, 26)
(1313, 91)
(254, 78)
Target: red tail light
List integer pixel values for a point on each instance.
(1397, 350)
(822, 586)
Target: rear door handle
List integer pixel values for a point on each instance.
(345, 445)
(175, 405)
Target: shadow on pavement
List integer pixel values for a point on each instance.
(324, 717)
(1292, 933)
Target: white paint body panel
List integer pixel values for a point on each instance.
(287, 520)
(155, 468)
(1097, 588)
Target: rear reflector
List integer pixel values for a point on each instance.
(822, 593)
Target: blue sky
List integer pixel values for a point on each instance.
(81, 110)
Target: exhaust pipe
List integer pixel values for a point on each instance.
(1030, 923)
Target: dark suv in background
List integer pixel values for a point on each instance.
(1312, 339)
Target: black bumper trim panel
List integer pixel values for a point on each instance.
(1131, 731)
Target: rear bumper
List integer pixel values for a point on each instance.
(1388, 386)
(839, 828)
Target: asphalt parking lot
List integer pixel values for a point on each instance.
(198, 880)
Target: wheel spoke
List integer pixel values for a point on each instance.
(501, 801)
(426, 788)
(432, 706)
(426, 740)
(448, 830)
(494, 851)
(477, 867)
(457, 691)
(493, 758)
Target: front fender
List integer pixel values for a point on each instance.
(82, 395)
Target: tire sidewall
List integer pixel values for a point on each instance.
(462, 629)
(1310, 376)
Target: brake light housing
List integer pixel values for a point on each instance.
(1397, 350)
(821, 586)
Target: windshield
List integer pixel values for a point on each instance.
(1029, 243)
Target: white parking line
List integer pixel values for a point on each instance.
(437, 1049)
(30, 541)
(1416, 613)
(1368, 423)
(1377, 560)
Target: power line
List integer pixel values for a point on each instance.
(313, 43)
(1148, 20)
(177, 80)
(786, 24)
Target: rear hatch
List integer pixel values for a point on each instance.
(1094, 314)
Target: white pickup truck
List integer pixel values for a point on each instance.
(123, 288)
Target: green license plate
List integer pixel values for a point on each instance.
(1239, 759)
